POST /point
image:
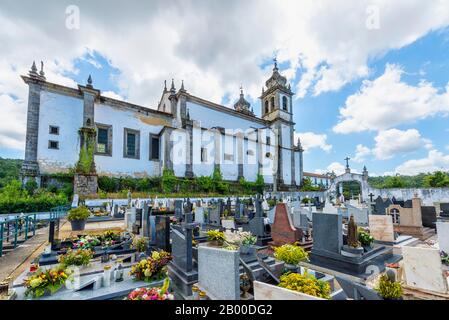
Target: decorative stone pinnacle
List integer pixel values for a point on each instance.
(33, 72)
(182, 85)
(42, 69)
(172, 85)
(275, 64)
(89, 81)
(165, 85)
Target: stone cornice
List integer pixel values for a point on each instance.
(221, 108)
(77, 93)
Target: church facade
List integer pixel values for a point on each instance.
(185, 133)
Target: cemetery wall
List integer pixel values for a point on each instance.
(427, 195)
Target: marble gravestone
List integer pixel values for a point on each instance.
(327, 232)
(214, 216)
(327, 250)
(360, 214)
(257, 225)
(443, 235)
(381, 228)
(283, 230)
(162, 226)
(181, 269)
(199, 215)
(218, 272)
(423, 269)
(178, 210)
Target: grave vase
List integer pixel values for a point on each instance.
(78, 225)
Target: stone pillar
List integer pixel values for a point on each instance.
(279, 158)
(30, 166)
(240, 140)
(189, 149)
(292, 148)
(168, 149)
(217, 149)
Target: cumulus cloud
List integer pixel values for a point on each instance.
(387, 102)
(361, 152)
(434, 161)
(393, 142)
(214, 46)
(311, 140)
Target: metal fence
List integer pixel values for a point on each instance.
(15, 230)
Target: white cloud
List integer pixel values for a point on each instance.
(387, 102)
(311, 140)
(361, 152)
(213, 46)
(112, 94)
(393, 142)
(434, 161)
(336, 167)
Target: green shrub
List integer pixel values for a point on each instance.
(306, 283)
(80, 213)
(290, 254)
(205, 183)
(14, 199)
(389, 289)
(108, 184)
(31, 186)
(168, 181)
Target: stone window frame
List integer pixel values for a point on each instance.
(158, 137)
(50, 144)
(284, 103)
(110, 141)
(125, 143)
(50, 130)
(268, 141)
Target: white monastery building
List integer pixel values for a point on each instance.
(184, 133)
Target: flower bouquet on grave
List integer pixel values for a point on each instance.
(110, 235)
(216, 237)
(154, 293)
(45, 281)
(79, 257)
(87, 242)
(291, 255)
(153, 268)
(306, 283)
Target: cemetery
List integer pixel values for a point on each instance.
(273, 246)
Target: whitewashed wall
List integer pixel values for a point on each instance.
(117, 164)
(66, 113)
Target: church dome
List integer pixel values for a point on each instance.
(242, 105)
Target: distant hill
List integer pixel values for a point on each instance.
(9, 170)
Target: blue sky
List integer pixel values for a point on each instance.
(376, 95)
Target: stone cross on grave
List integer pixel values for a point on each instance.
(371, 196)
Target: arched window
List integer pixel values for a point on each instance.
(266, 107)
(272, 103)
(284, 103)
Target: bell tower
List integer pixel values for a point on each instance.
(277, 110)
(276, 98)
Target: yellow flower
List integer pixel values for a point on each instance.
(155, 255)
(35, 282)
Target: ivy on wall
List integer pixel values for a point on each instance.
(86, 162)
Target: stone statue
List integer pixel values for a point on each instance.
(129, 198)
(353, 240)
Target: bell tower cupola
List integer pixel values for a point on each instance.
(276, 97)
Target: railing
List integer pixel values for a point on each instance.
(17, 229)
